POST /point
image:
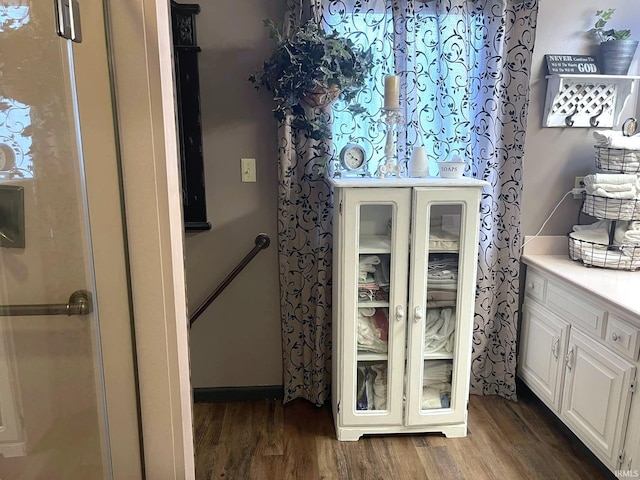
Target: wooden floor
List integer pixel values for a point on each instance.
(265, 440)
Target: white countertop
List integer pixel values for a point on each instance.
(350, 182)
(619, 287)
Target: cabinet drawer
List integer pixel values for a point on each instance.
(536, 286)
(576, 309)
(622, 337)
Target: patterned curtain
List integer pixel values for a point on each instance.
(304, 249)
(464, 67)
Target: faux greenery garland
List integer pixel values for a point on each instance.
(308, 59)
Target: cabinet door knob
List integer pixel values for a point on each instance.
(614, 336)
(399, 312)
(531, 286)
(417, 314)
(569, 359)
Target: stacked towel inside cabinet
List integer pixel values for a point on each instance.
(373, 277)
(436, 384)
(371, 387)
(373, 330)
(442, 291)
(443, 239)
(439, 334)
(442, 273)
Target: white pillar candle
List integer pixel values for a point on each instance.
(391, 91)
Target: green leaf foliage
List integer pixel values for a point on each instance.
(602, 18)
(307, 59)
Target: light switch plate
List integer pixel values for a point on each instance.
(248, 166)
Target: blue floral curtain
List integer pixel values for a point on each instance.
(464, 67)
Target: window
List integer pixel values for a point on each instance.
(439, 59)
(15, 142)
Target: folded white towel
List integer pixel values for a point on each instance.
(430, 398)
(603, 192)
(600, 237)
(603, 207)
(379, 387)
(615, 139)
(602, 256)
(599, 225)
(610, 179)
(612, 185)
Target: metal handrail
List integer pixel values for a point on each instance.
(262, 242)
(79, 304)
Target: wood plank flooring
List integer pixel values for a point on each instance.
(264, 440)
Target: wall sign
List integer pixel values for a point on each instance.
(581, 64)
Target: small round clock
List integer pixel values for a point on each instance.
(629, 127)
(352, 157)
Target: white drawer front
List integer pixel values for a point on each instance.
(622, 337)
(536, 286)
(585, 315)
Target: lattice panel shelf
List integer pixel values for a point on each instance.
(586, 100)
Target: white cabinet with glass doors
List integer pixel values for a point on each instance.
(405, 261)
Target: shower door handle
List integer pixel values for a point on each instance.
(80, 303)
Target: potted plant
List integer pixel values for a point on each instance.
(312, 67)
(616, 47)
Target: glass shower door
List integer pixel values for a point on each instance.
(53, 412)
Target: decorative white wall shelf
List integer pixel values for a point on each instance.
(575, 100)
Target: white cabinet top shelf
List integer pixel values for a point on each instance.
(592, 101)
(438, 182)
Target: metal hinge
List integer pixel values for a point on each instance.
(620, 457)
(340, 207)
(68, 20)
(632, 387)
(338, 408)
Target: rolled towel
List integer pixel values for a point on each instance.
(615, 139)
(627, 233)
(599, 225)
(611, 188)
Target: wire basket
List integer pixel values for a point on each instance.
(611, 208)
(619, 160)
(615, 257)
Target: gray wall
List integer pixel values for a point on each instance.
(555, 156)
(237, 340)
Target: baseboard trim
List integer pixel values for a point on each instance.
(238, 394)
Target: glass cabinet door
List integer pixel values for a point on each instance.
(375, 286)
(440, 318)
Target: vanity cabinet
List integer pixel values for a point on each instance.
(404, 273)
(542, 349)
(579, 354)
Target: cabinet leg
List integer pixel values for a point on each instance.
(455, 431)
(345, 435)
